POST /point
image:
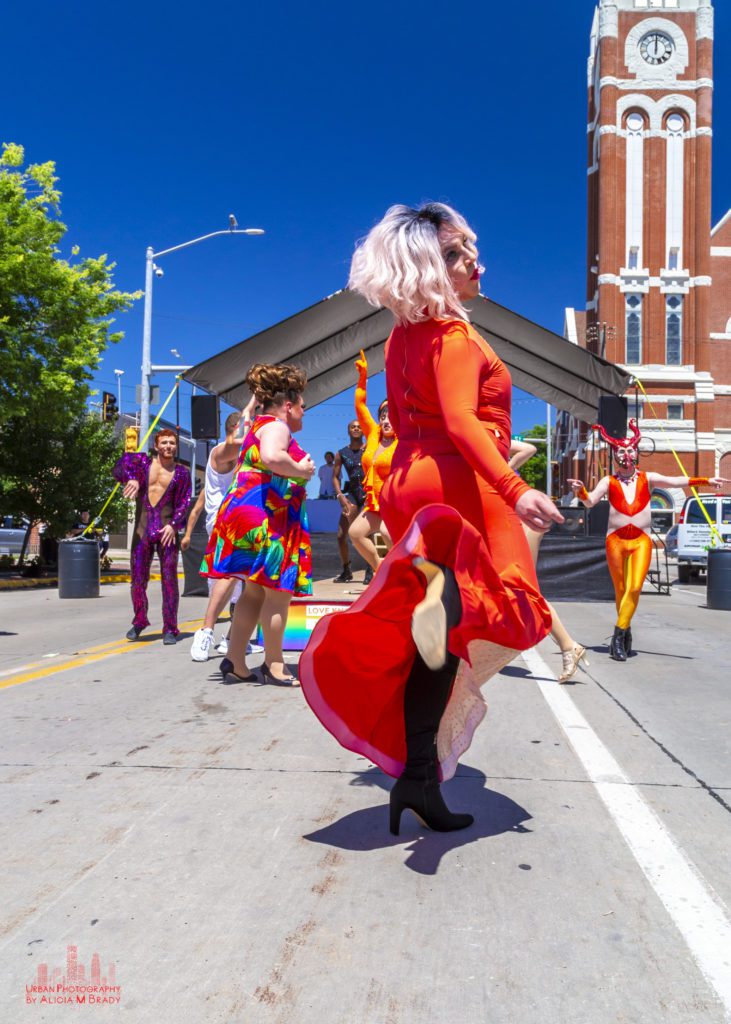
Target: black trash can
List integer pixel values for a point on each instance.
(718, 590)
(78, 567)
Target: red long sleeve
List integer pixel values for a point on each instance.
(458, 364)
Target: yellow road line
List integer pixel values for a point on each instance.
(74, 654)
(86, 657)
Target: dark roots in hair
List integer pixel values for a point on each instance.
(273, 385)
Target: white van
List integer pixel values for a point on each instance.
(694, 533)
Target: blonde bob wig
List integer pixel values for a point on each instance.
(400, 264)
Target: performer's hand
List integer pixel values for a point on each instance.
(131, 489)
(718, 482)
(167, 536)
(361, 365)
(247, 416)
(575, 485)
(185, 542)
(537, 511)
(307, 468)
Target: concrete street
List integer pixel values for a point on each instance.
(235, 864)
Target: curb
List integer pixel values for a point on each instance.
(52, 581)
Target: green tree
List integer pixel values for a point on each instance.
(534, 471)
(56, 316)
(50, 476)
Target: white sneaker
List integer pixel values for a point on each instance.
(254, 649)
(200, 647)
(222, 645)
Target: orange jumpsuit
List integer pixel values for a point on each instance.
(629, 549)
(449, 498)
(376, 465)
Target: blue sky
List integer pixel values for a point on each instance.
(309, 120)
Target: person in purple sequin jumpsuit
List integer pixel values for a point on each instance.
(162, 490)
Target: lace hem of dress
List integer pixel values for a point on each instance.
(467, 706)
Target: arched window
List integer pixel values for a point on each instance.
(675, 128)
(635, 127)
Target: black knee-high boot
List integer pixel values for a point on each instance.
(425, 699)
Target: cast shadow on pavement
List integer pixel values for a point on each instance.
(604, 649)
(367, 829)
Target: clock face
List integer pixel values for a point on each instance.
(656, 47)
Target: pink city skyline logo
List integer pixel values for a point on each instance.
(76, 986)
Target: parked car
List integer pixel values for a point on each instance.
(671, 542)
(694, 533)
(12, 535)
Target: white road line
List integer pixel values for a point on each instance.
(698, 913)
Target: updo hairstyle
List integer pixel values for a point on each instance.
(400, 264)
(274, 385)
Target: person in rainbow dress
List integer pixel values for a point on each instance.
(261, 534)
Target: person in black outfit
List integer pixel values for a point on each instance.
(351, 495)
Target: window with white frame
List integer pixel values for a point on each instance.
(634, 213)
(675, 410)
(674, 330)
(633, 330)
(674, 188)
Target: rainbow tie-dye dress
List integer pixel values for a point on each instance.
(261, 532)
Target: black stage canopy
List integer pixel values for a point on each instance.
(325, 339)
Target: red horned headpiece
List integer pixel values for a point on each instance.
(632, 441)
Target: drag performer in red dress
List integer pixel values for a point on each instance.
(459, 582)
(629, 544)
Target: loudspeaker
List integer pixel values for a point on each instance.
(204, 417)
(598, 519)
(574, 524)
(612, 415)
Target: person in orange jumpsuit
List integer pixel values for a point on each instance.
(629, 544)
(459, 582)
(376, 462)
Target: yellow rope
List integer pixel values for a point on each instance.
(140, 448)
(703, 508)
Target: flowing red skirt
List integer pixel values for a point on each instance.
(355, 666)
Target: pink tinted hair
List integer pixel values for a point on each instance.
(400, 264)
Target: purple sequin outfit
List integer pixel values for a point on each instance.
(172, 510)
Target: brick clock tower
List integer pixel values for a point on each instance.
(651, 302)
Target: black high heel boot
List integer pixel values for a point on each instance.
(425, 699)
(628, 641)
(418, 790)
(616, 645)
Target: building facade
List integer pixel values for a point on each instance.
(658, 275)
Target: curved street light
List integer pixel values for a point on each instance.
(150, 270)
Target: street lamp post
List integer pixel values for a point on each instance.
(150, 269)
(119, 374)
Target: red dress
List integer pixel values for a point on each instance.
(450, 498)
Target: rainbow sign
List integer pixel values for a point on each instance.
(303, 617)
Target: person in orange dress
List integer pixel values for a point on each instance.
(459, 582)
(376, 462)
(629, 544)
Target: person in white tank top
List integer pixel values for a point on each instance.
(217, 484)
(219, 474)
